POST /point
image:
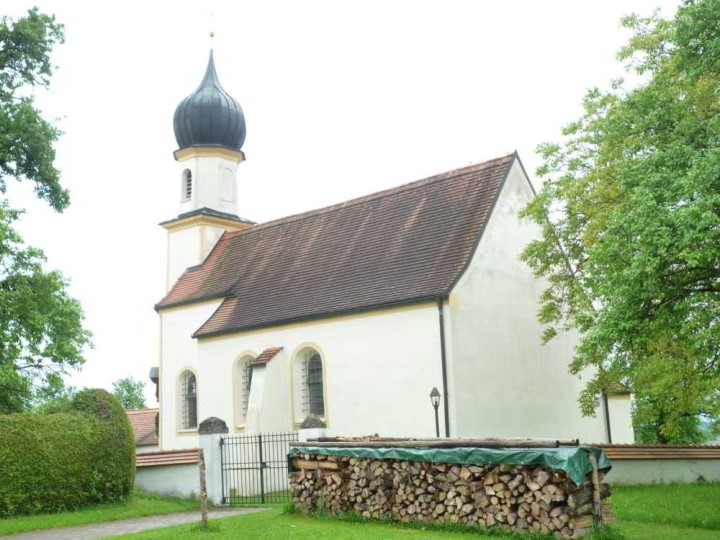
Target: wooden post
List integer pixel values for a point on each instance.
(597, 498)
(203, 491)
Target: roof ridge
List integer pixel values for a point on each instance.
(372, 196)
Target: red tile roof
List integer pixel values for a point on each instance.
(265, 356)
(167, 457)
(143, 425)
(403, 245)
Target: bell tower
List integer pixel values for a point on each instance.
(210, 130)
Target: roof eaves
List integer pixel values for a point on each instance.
(387, 305)
(160, 306)
(517, 158)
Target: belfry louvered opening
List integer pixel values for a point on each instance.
(186, 185)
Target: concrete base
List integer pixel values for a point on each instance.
(656, 471)
(171, 480)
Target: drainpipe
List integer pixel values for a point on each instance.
(607, 418)
(443, 363)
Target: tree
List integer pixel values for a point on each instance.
(26, 138)
(41, 331)
(630, 219)
(130, 392)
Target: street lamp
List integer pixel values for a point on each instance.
(435, 400)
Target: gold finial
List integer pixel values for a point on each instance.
(211, 24)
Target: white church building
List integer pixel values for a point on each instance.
(355, 312)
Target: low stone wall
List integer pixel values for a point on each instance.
(654, 464)
(172, 473)
(522, 498)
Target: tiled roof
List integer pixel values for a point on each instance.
(664, 451)
(167, 457)
(395, 247)
(265, 356)
(143, 425)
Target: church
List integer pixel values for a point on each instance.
(353, 314)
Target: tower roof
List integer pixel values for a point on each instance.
(209, 116)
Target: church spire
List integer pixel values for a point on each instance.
(209, 116)
(209, 128)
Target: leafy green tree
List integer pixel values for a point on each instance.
(130, 392)
(54, 396)
(26, 138)
(630, 219)
(41, 332)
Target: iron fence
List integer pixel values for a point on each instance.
(255, 468)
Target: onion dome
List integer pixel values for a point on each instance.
(209, 116)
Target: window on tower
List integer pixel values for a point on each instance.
(186, 187)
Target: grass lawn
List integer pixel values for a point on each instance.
(659, 512)
(272, 523)
(142, 504)
(668, 512)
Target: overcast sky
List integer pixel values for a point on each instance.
(341, 99)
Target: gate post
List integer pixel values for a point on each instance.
(210, 432)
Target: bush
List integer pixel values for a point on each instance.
(52, 462)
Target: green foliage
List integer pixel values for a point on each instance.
(54, 396)
(26, 138)
(41, 327)
(630, 218)
(41, 331)
(53, 462)
(130, 393)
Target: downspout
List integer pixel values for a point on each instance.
(607, 417)
(443, 363)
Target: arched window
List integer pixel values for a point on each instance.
(186, 186)
(242, 383)
(314, 399)
(188, 400)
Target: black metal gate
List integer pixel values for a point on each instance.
(255, 468)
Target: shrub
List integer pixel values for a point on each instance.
(52, 462)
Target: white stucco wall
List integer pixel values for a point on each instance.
(620, 413)
(169, 480)
(654, 471)
(178, 351)
(189, 247)
(504, 382)
(214, 184)
(378, 369)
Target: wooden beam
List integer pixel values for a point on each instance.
(328, 442)
(307, 464)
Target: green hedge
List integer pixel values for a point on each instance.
(52, 462)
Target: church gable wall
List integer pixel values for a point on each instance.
(504, 381)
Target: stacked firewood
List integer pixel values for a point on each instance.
(513, 497)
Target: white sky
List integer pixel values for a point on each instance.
(341, 99)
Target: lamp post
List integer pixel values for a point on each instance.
(435, 400)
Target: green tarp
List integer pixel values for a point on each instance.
(573, 460)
